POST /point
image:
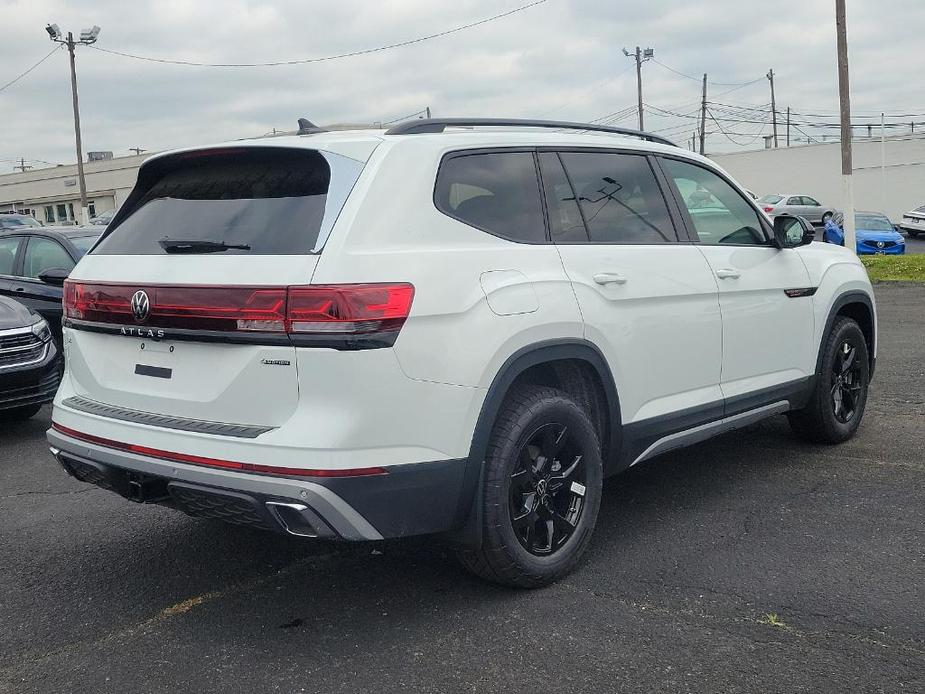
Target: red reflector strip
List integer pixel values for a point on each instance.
(213, 462)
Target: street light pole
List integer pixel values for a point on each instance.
(87, 36)
(81, 180)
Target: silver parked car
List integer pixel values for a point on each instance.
(798, 205)
(913, 222)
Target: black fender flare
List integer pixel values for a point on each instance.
(850, 297)
(469, 509)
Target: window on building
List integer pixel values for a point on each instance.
(70, 211)
(49, 214)
(61, 210)
(91, 207)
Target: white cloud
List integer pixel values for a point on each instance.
(561, 57)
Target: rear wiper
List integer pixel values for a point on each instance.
(199, 246)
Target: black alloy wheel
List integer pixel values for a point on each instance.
(847, 383)
(547, 490)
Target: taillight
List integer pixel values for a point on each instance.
(342, 311)
(349, 308)
(768, 209)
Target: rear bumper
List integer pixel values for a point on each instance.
(413, 499)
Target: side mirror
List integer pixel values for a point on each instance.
(791, 231)
(54, 276)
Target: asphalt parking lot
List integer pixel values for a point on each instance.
(750, 563)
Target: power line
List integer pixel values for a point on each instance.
(699, 79)
(305, 61)
(19, 77)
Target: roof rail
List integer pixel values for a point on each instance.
(438, 125)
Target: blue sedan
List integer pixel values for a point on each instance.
(876, 234)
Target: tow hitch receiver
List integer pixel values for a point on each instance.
(143, 489)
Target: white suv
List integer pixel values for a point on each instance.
(453, 326)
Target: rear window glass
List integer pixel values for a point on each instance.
(259, 201)
(83, 243)
(497, 192)
(772, 199)
(920, 209)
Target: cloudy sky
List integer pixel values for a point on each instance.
(559, 59)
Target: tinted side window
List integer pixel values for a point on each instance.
(718, 211)
(796, 200)
(44, 254)
(565, 221)
(619, 197)
(8, 248)
(810, 202)
(497, 192)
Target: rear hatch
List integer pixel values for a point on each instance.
(180, 308)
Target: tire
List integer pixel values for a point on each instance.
(836, 406)
(531, 548)
(911, 233)
(18, 414)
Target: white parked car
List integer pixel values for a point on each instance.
(798, 205)
(913, 222)
(444, 328)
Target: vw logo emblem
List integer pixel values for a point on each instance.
(879, 244)
(141, 307)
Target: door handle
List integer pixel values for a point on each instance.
(728, 274)
(609, 278)
(20, 289)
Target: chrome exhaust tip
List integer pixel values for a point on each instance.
(293, 518)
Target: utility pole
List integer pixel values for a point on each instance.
(844, 98)
(22, 165)
(640, 56)
(703, 116)
(788, 126)
(427, 111)
(882, 162)
(770, 77)
(87, 36)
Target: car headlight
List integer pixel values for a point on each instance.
(41, 330)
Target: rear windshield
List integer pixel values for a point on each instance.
(83, 243)
(258, 201)
(772, 199)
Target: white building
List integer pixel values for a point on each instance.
(52, 195)
(888, 179)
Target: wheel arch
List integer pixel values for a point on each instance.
(858, 306)
(574, 365)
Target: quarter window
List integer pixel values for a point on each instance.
(497, 192)
(619, 198)
(719, 213)
(44, 254)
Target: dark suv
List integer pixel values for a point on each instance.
(35, 261)
(30, 364)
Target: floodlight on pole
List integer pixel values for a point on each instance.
(87, 37)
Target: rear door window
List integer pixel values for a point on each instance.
(497, 192)
(258, 201)
(9, 246)
(619, 197)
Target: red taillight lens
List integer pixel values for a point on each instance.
(349, 308)
(341, 309)
(768, 209)
(215, 462)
